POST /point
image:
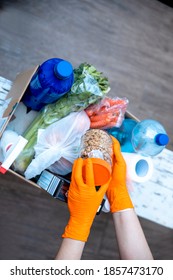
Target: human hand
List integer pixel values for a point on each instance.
(83, 201)
(117, 192)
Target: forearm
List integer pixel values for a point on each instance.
(130, 237)
(70, 249)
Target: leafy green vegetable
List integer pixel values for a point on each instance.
(89, 87)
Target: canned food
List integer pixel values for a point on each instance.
(97, 144)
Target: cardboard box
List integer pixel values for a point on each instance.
(14, 97)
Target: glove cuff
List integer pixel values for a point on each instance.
(75, 231)
(121, 204)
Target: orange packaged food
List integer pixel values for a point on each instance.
(109, 112)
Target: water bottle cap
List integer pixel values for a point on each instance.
(63, 69)
(162, 139)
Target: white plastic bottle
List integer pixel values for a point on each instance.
(149, 138)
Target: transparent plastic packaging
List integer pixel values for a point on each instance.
(107, 113)
(149, 138)
(97, 144)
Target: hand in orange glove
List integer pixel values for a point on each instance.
(117, 192)
(83, 201)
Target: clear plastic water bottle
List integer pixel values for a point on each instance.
(52, 80)
(149, 138)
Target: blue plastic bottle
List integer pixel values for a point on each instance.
(52, 80)
(149, 138)
(124, 134)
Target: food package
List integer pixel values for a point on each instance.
(107, 113)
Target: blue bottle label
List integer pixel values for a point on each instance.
(37, 91)
(35, 83)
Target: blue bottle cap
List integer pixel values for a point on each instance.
(63, 69)
(162, 139)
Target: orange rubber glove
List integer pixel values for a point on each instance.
(83, 201)
(117, 192)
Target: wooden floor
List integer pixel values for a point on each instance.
(132, 43)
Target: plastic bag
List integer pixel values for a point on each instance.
(109, 112)
(58, 145)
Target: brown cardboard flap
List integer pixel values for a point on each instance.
(18, 89)
(131, 116)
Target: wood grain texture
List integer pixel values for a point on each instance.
(132, 43)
